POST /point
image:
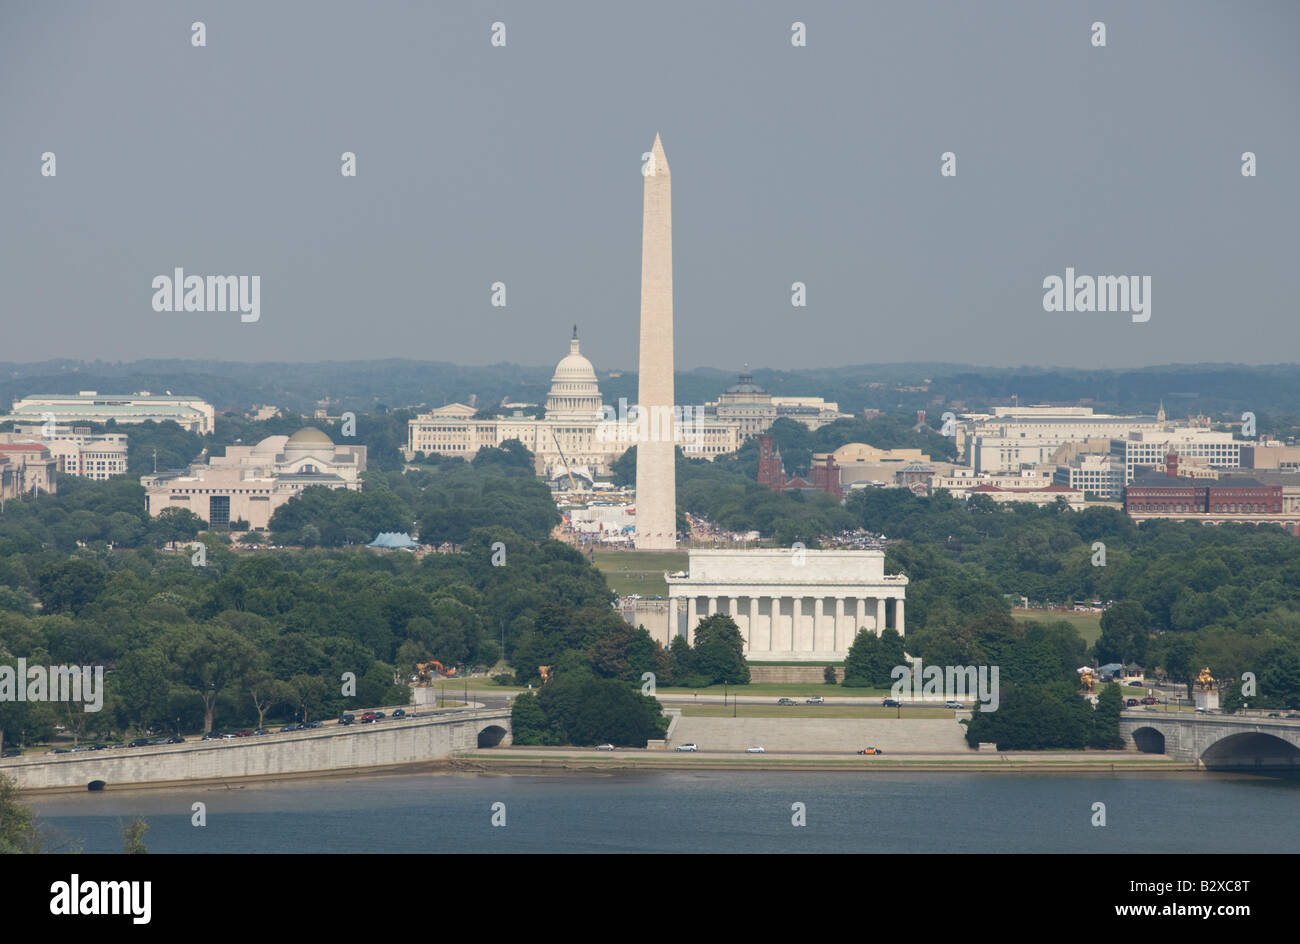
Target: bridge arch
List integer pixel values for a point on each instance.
(1149, 740)
(492, 735)
(1251, 749)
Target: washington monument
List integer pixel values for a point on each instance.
(656, 483)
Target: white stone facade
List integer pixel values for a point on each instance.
(656, 476)
(790, 605)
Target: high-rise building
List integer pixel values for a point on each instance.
(656, 484)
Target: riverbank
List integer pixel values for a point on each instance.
(559, 761)
(518, 761)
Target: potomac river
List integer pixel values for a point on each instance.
(676, 811)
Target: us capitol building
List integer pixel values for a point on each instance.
(570, 430)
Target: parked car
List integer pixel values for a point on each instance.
(13, 753)
(138, 742)
(380, 716)
(243, 734)
(605, 747)
(755, 750)
(815, 700)
(368, 718)
(346, 719)
(399, 713)
(871, 750)
(1150, 700)
(952, 703)
(890, 703)
(306, 725)
(260, 731)
(1131, 703)
(289, 727)
(785, 701)
(1293, 717)
(686, 747)
(59, 750)
(176, 739)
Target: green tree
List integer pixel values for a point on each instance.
(133, 837)
(174, 524)
(313, 695)
(528, 720)
(210, 658)
(719, 652)
(1105, 719)
(266, 692)
(143, 687)
(20, 830)
(69, 586)
(860, 662)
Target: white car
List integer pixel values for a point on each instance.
(755, 750)
(605, 747)
(686, 747)
(953, 704)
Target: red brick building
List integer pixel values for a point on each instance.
(1226, 498)
(824, 472)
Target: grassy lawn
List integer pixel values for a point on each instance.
(808, 711)
(639, 571)
(1088, 625)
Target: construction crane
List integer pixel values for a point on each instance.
(572, 484)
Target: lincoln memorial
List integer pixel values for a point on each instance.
(790, 605)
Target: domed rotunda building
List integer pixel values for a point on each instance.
(249, 482)
(568, 438)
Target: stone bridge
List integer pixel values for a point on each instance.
(1221, 742)
(297, 753)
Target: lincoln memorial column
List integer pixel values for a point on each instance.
(837, 637)
(818, 604)
(692, 617)
(898, 615)
(713, 605)
(880, 615)
(751, 631)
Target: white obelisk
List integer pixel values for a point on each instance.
(656, 483)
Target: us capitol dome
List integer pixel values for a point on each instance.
(574, 395)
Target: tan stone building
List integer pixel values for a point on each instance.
(26, 467)
(751, 408)
(861, 462)
(251, 482)
(76, 450)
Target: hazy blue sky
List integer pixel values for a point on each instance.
(522, 164)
